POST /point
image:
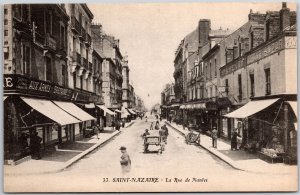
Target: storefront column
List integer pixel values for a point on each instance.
(286, 126)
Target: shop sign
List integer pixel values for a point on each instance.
(267, 50)
(30, 85)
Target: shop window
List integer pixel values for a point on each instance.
(252, 88)
(268, 81)
(240, 96)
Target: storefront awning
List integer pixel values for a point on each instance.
(182, 107)
(106, 110)
(90, 105)
(293, 104)
(50, 110)
(131, 111)
(73, 110)
(251, 108)
(124, 113)
(4, 97)
(116, 110)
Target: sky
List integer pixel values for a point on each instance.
(150, 33)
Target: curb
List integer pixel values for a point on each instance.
(207, 149)
(130, 124)
(71, 161)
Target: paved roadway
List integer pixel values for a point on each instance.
(179, 160)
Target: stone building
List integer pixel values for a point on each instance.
(38, 96)
(263, 80)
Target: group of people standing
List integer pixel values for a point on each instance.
(34, 144)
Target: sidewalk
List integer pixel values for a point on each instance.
(240, 159)
(64, 156)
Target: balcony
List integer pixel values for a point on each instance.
(23, 27)
(82, 34)
(88, 39)
(75, 26)
(50, 42)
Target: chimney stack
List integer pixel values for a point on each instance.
(284, 17)
(204, 29)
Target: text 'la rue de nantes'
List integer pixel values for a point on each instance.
(154, 180)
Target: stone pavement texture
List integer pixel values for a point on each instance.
(64, 156)
(239, 159)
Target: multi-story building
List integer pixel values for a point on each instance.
(80, 50)
(36, 76)
(263, 79)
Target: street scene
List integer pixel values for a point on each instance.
(178, 160)
(157, 97)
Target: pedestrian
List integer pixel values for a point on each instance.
(118, 125)
(166, 133)
(146, 118)
(151, 126)
(35, 146)
(24, 144)
(145, 144)
(125, 161)
(162, 138)
(214, 136)
(96, 131)
(123, 122)
(157, 125)
(234, 140)
(113, 125)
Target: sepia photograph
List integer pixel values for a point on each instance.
(150, 97)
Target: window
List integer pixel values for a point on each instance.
(49, 23)
(201, 68)
(240, 87)
(62, 36)
(26, 60)
(5, 11)
(210, 72)
(17, 11)
(63, 75)
(216, 68)
(48, 69)
(268, 81)
(201, 92)
(81, 82)
(74, 79)
(5, 21)
(226, 87)
(5, 32)
(216, 91)
(252, 85)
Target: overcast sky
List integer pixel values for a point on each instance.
(150, 33)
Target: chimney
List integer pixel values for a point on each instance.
(284, 17)
(204, 29)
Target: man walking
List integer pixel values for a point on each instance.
(214, 136)
(125, 161)
(151, 126)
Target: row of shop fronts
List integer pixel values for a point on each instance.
(265, 124)
(57, 114)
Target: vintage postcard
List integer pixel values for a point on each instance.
(150, 97)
